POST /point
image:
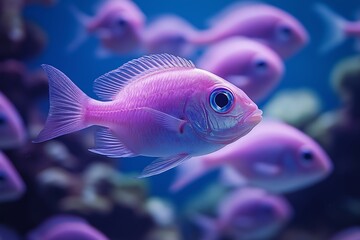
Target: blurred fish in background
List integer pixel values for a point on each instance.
(265, 23)
(249, 65)
(273, 156)
(169, 34)
(118, 24)
(337, 28)
(352, 233)
(247, 214)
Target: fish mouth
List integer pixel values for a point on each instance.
(254, 117)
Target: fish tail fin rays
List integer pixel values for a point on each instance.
(188, 172)
(208, 225)
(334, 33)
(163, 164)
(81, 33)
(67, 102)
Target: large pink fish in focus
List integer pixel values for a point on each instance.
(156, 106)
(274, 156)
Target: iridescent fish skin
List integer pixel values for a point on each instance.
(248, 214)
(12, 130)
(157, 106)
(274, 156)
(67, 227)
(337, 28)
(118, 24)
(169, 34)
(11, 185)
(268, 24)
(248, 64)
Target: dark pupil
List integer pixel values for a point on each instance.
(221, 100)
(286, 31)
(121, 22)
(307, 155)
(261, 64)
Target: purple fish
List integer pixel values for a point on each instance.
(273, 156)
(249, 65)
(12, 130)
(156, 106)
(118, 24)
(169, 34)
(268, 24)
(338, 28)
(67, 227)
(247, 214)
(11, 185)
(352, 233)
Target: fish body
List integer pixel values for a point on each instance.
(156, 106)
(169, 34)
(12, 130)
(337, 28)
(65, 227)
(12, 186)
(248, 214)
(246, 63)
(265, 23)
(118, 24)
(274, 156)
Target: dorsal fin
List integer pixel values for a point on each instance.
(108, 85)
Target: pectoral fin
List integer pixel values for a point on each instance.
(267, 169)
(163, 164)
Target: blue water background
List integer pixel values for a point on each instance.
(308, 68)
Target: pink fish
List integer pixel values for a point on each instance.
(273, 156)
(12, 130)
(352, 233)
(67, 227)
(118, 24)
(156, 106)
(337, 28)
(169, 34)
(249, 65)
(11, 185)
(268, 24)
(247, 214)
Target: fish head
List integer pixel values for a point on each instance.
(11, 185)
(288, 36)
(221, 113)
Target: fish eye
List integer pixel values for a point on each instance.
(221, 100)
(121, 22)
(307, 156)
(261, 65)
(284, 33)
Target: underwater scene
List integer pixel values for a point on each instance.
(179, 120)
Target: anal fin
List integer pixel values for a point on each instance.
(163, 164)
(109, 145)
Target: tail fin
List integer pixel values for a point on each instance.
(66, 106)
(81, 34)
(335, 27)
(188, 172)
